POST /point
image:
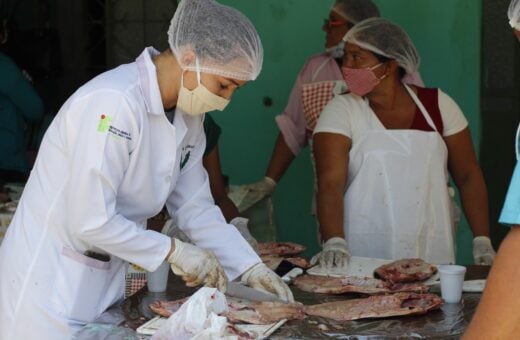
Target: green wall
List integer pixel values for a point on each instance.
(447, 35)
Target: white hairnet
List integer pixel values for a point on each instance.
(224, 41)
(355, 11)
(383, 37)
(514, 14)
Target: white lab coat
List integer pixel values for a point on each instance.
(109, 161)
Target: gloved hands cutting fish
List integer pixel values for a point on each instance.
(483, 253)
(241, 224)
(335, 254)
(264, 279)
(197, 266)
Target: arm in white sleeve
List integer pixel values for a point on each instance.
(337, 116)
(453, 119)
(192, 207)
(98, 162)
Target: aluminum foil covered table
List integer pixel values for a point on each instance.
(447, 323)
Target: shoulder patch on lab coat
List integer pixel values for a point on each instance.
(105, 126)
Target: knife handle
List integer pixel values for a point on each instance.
(287, 278)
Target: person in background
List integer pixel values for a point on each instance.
(497, 315)
(321, 74)
(112, 159)
(218, 186)
(383, 152)
(19, 104)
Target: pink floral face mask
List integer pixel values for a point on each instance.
(361, 81)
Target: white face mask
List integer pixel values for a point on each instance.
(199, 100)
(337, 51)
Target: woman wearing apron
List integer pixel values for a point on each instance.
(318, 81)
(497, 315)
(383, 153)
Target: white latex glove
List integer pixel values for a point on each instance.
(197, 266)
(335, 254)
(241, 224)
(258, 191)
(262, 278)
(173, 230)
(483, 253)
(265, 186)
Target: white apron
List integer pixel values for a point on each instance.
(397, 204)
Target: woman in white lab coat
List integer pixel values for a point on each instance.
(110, 160)
(383, 153)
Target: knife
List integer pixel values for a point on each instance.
(296, 271)
(239, 290)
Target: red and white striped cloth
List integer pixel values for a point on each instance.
(314, 98)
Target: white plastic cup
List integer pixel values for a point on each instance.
(158, 280)
(452, 280)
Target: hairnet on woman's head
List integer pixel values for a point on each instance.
(514, 14)
(383, 37)
(223, 40)
(355, 11)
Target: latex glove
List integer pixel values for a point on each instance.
(335, 254)
(197, 266)
(241, 224)
(483, 253)
(262, 278)
(266, 186)
(171, 229)
(258, 191)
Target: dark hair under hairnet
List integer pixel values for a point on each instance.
(355, 11)
(224, 41)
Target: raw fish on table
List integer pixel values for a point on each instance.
(407, 270)
(273, 261)
(242, 311)
(354, 284)
(380, 306)
(280, 248)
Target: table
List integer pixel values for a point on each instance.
(447, 323)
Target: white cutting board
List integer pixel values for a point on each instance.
(361, 266)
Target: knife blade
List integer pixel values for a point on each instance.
(239, 290)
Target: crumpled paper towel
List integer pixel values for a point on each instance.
(198, 318)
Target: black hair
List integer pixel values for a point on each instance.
(383, 59)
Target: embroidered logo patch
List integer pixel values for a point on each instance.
(104, 126)
(186, 152)
(104, 123)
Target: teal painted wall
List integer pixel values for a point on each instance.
(447, 35)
